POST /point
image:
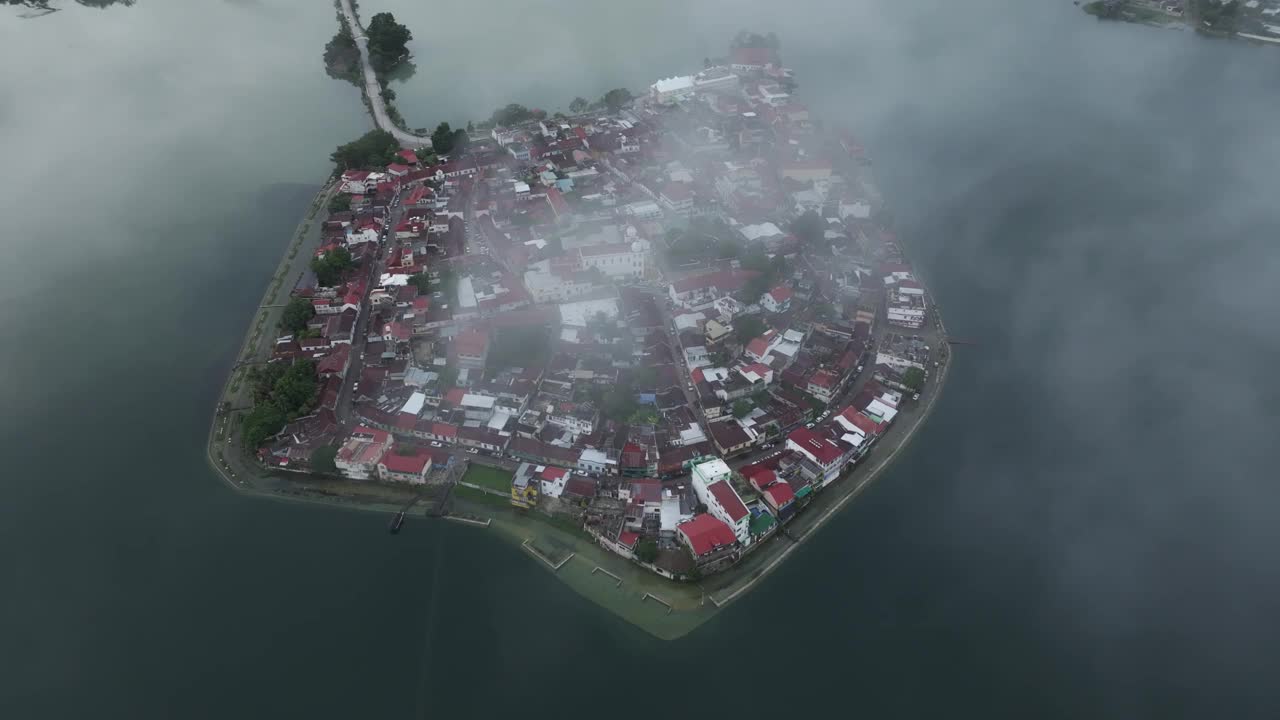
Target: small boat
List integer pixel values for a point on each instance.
(396, 521)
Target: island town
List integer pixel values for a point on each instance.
(669, 324)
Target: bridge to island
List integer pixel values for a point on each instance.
(372, 90)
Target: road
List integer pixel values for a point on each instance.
(372, 90)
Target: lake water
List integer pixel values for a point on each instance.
(1085, 528)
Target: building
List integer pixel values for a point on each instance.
(826, 455)
(823, 385)
(707, 537)
(711, 483)
(777, 300)
(673, 89)
(359, 456)
(597, 461)
(524, 488)
(410, 467)
(471, 348)
(616, 260)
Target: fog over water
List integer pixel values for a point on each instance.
(1085, 528)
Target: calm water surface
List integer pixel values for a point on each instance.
(1084, 529)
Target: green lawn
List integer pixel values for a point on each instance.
(488, 477)
(479, 497)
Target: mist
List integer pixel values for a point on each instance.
(1093, 204)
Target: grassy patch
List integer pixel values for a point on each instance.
(488, 477)
(479, 497)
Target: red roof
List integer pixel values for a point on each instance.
(421, 303)
(728, 499)
(862, 422)
(627, 538)
(408, 156)
(397, 169)
(817, 445)
(471, 343)
(706, 533)
(758, 347)
(552, 473)
(410, 464)
(454, 396)
(823, 379)
(557, 201)
(779, 493)
(780, 294)
(763, 478)
(444, 430)
(759, 56)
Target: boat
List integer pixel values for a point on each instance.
(396, 521)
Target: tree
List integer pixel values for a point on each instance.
(297, 314)
(342, 57)
(339, 203)
(388, 42)
(512, 114)
(616, 98)
(376, 148)
(742, 407)
(330, 268)
(442, 138)
(460, 140)
(809, 228)
(322, 459)
(422, 282)
(748, 327)
(646, 551)
(578, 105)
(913, 378)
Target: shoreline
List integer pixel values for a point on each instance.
(628, 590)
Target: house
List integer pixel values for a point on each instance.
(826, 456)
(410, 467)
(471, 348)
(777, 300)
(677, 197)
(359, 456)
(711, 483)
(730, 437)
(596, 461)
(707, 537)
(823, 385)
(524, 489)
(780, 498)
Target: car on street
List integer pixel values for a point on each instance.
(473, 451)
(436, 444)
(809, 425)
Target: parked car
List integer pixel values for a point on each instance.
(436, 444)
(809, 425)
(473, 451)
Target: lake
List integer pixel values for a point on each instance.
(1085, 527)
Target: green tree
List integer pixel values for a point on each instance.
(742, 407)
(616, 98)
(322, 459)
(330, 269)
(339, 203)
(579, 105)
(511, 114)
(262, 423)
(442, 138)
(388, 42)
(297, 314)
(422, 282)
(647, 551)
(809, 228)
(913, 378)
(374, 149)
(748, 327)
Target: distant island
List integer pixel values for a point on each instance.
(1253, 20)
(655, 340)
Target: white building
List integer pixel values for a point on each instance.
(711, 483)
(596, 461)
(669, 90)
(620, 260)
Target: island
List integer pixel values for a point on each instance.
(655, 341)
(1253, 20)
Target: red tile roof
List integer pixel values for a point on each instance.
(706, 533)
(780, 294)
(823, 379)
(728, 499)
(817, 445)
(779, 494)
(627, 538)
(862, 422)
(410, 464)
